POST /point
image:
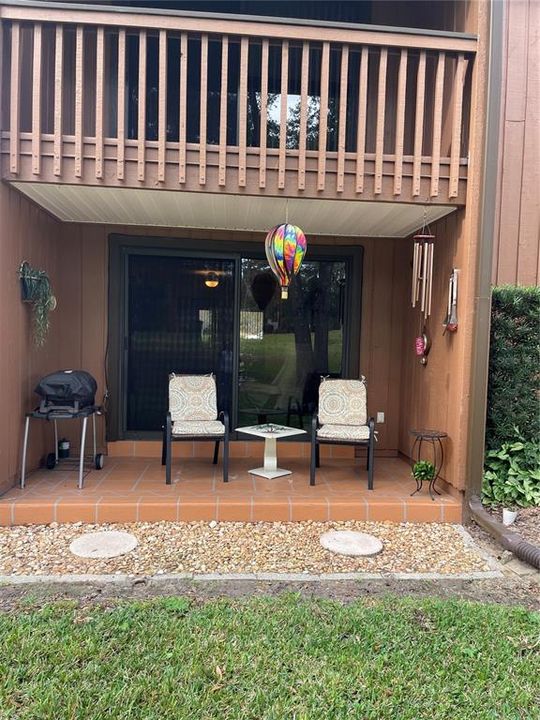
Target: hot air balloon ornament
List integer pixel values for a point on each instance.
(285, 247)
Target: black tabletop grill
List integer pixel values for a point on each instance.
(67, 391)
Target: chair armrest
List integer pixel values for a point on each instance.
(371, 425)
(225, 416)
(168, 423)
(314, 423)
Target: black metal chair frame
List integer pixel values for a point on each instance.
(168, 438)
(316, 441)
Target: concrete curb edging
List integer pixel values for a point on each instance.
(6, 580)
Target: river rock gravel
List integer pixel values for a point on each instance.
(234, 547)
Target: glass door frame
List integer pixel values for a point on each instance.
(120, 249)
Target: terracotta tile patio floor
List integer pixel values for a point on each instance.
(133, 489)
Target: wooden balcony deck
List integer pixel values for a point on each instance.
(170, 100)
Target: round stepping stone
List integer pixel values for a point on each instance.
(349, 542)
(107, 544)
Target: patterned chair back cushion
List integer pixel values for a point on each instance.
(192, 398)
(342, 402)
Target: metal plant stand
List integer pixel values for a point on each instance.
(433, 438)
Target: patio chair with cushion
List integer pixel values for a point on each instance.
(342, 419)
(192, 416)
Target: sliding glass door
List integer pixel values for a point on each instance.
(180, 319)
(285, 346)
(178, 309)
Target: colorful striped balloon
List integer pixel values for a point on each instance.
(285, 247)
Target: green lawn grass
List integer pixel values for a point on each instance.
(263, 659)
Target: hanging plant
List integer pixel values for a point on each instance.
(36, 289)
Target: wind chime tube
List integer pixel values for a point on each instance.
(429, 280)
(424, 275)
(414, 282)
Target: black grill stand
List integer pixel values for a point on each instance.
(64, 414)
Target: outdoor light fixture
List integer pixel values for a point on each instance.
(285, 247)
(211, 280)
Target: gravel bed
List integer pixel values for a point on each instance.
(233, 547)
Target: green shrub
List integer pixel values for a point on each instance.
(423, 470)
(512, 475)
(514, 366)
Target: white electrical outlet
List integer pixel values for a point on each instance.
(380, 417)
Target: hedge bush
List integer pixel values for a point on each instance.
(514, 366)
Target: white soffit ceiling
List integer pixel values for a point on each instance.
(170, 208)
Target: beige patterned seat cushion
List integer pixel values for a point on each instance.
(344, 432)
(208, 427)
(342, 402)
(192, 397)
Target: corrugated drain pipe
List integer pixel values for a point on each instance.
(509, 540)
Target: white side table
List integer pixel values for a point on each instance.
(271, 434)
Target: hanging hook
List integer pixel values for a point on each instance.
(287, 210)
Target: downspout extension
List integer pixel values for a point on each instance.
(522, 549)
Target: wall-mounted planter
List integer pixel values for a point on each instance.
(36, 290)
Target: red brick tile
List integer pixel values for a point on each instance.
(151, 510)
(419, 511)
(353, 510)
(117, 511)
(33, 513)
(309, 510)
(392, 511)
(5, 514)
(189, 510)
(452, 513)
(68, 511)
(272, 511)
(234, 510)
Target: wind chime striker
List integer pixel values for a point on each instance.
(285, 247)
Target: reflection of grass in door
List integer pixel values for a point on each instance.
(264, 360)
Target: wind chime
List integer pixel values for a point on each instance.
(285, 247)
(451, 321)
(422, 285)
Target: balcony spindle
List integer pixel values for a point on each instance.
(437, 125)
(419, 123)
(121, 109)
(362, 115)
(242, 112)
(400, 121)
(141, 121)
(222, 171)
(459, 80)
(79, 70)
(162, 107)
(381, 106)
(342, 117)
(182, 118)
(36, 102)
(14, 107)
(323, 119)
(264, 113)
(302, 140)
(202, 109)
(58, 109)
(283, 113)
(100, 57)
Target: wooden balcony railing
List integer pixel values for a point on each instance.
(227, 105)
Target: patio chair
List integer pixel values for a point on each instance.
(342, 419)
(193, 416)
